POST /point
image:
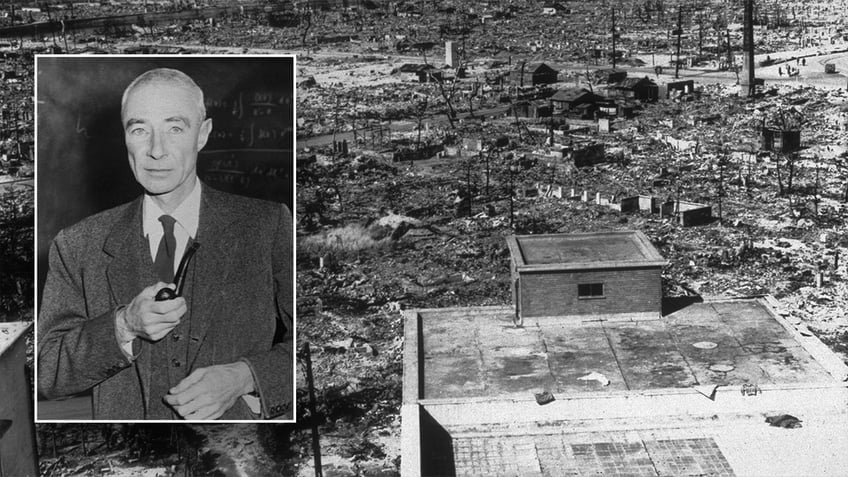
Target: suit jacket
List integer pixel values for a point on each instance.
(238, 292)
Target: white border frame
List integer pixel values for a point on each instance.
(293, 237)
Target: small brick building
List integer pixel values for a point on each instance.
(604, 273)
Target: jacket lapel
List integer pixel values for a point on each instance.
(131, 267)
(216, 235)
(130, 271)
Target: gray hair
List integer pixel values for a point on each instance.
(169, 76)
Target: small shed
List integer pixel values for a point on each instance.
(785, 141)
(409, 71)
(430, 73)
(688, 214)
(676, 88)
(598, 274)
(533, 74)
(531, 109)
(642, 89)
(610, 76)
(569, 100)
(552, 8)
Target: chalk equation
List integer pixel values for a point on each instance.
(250, 104)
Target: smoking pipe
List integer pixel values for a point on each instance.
(169, 294)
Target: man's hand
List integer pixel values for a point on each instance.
(147, 318)
(207, 393)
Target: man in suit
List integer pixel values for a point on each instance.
(221, 350)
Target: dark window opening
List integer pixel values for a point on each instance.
(590, 290)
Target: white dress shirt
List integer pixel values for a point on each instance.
(187, 216)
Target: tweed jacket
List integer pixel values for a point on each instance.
(238, 291)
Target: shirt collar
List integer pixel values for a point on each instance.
(186, 214)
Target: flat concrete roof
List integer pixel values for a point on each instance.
(586, 250)
(483, 354)
(687, 394)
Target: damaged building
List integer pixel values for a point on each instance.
(578, 102)
(533, 74)
(641, 89)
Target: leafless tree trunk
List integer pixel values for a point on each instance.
(790, 173)
(447, 95)
(419, 116)
(722, 160)
(306, 24)
(816, 189)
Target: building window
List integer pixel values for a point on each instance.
(590, 290)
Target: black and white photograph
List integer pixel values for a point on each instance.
(166, 298)
(528, 238)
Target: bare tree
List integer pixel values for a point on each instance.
(306, 20)
(420, 109)
(447, 92)
(816, 187)
(475, 91)
(785, 178)
(354, 99)
(488, 154)
(785, 120)
(721, 192)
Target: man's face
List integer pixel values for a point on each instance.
(163, 132)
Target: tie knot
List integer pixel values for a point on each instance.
(168, 223)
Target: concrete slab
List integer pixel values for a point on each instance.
(648, 356)
(657, 416)
(483, 354)
(453, 376)
(749, 339)
(563, 250)
(575, 352)
(556, 249)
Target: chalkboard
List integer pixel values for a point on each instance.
(81, 159)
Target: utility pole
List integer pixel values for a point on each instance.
(50, 23)
(488, 158)
(313, 414)
(613, 38)
(511, 192)
(748, 80)
(521, 78)
(16, 117)
(469, 185)
(729, 50)
(679, 32)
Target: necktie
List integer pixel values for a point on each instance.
(164, 262)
